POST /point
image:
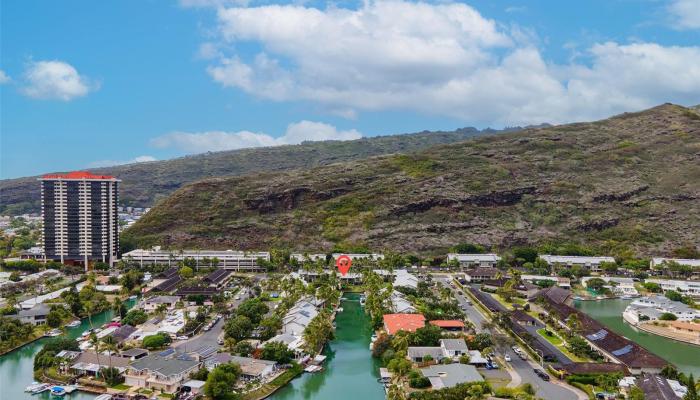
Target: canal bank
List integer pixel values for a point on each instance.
(609, 312)
(350, 371)
(17, 367)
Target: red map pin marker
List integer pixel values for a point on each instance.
(343, 263)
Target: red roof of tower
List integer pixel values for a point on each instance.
(77, 175)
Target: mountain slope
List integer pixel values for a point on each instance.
(145, 183)
(630, 182)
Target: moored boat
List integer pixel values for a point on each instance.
(58, 391)
(73, 324)
(54, 333)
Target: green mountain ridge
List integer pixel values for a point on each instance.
(629, 184)
(143, 184)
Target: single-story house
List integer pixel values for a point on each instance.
(418, 354)
(403, 322)
(450, 375)
(453, 347)
(449, 325)
(251, 368)
(154, 302)
(193, 386)
(134, 354)
(90, 363)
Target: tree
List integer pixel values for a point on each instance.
(269, 327)
(429, 335)
(399, 366)
(238, 328)
(15, 277)
(243, 349)
(186, 272)
(135, 317)
(318, 332)
(595, 284)
(254, 309)
(692, 390)
(673, 295)
(156, 341)
(220, 382)
(54, 318)
(668, 317)
(277, 351)
(636, 393)
(112, 376)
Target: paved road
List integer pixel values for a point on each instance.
(546, 390)
(209, 338)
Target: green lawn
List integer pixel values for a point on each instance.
(553, 338)
(121, 386)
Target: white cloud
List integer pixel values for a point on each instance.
(685, 13)
(219, 140)
(4, 78)
(55, 80)
(441, 59)
(111, 163)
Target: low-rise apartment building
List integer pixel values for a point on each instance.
(689, 288)
(488, 260)
(593, 263)
(226, 259)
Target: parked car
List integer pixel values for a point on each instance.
(507, 358)
(543, 375)
(183, 337)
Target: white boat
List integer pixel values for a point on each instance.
(313, 368)
(58, 391)
(54, 333)
(340, 309)
(104, 397)
(41, 388)
(33, 386)
(73, 324)
(133, 297)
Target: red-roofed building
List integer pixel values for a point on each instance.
(80, 220)
(78, 175)
(403, 322)
(451, 325)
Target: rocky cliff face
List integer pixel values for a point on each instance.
(630, 183)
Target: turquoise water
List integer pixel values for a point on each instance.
(609, 312)
(17, 367)
(350, 371)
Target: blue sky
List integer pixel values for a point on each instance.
(92, 83)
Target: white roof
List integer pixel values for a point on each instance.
(353, 256)
(553, 259)
(488, 257)
(682, 261)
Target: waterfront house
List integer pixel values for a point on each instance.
(489, 260)
(400, 304)
(298, 317)
(161, 371)
(689, 288)
(653, 307)
(450, 375)
(617, 285)
(394, 323)
(590, 262)
(90, 363)
(35, 315)
(251, 368)
(294, 343)
(557, 280)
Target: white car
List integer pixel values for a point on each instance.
(182, 337)
(507, 358)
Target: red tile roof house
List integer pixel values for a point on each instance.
(403, 322)
(450, 325)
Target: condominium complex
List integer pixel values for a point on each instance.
(227, 259)
(79, 214)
